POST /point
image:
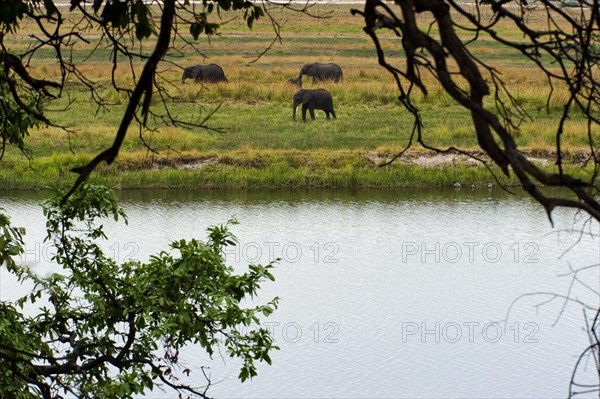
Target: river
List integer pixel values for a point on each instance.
(388, 294)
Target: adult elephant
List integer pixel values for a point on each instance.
(314, 99)
(212, 73)
(320, 72)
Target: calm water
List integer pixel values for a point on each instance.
(383, 294)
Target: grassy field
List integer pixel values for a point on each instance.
(251, 140)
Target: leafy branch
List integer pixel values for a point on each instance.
(102, 326)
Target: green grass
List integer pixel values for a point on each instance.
(256, 169)
(253, 137)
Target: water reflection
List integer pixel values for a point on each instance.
(385, 293)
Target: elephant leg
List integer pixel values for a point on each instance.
(312, 113)
(326, 114)
(304, 107)
(333, 113)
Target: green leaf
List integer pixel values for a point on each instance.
(196, 29)
(97, 4)
(224, 4)
(50, 8)
(142, 30)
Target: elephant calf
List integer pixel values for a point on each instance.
(314, 99)
(296, 81)
(212, 73)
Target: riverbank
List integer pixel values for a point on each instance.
(274, 170)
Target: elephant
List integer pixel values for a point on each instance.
(320, 71)
(296, 81)
(212, 73)
(314, 99)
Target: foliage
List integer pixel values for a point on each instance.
(105, 329)
(15, 120)
(564, 54)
